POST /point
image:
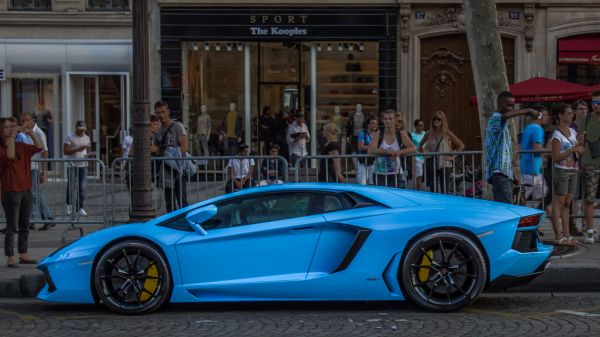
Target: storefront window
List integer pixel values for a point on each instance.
(216, 79)
(32, 95)
(586, 74)
(347, 75)
(108, 5)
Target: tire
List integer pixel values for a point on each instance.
(443, 271)
(132, 277)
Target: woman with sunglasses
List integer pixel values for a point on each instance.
(439, 139)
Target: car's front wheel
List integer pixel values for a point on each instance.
(443, 271)
(132, 277)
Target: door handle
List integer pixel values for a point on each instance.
(302, 229)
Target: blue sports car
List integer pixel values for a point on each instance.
(305, 242)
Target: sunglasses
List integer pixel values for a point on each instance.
(596, 102)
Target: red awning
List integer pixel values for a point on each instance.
(579, 49)
(541, 89)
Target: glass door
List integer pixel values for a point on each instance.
(102, 102)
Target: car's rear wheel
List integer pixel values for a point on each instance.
(132, 277)
(443, 271)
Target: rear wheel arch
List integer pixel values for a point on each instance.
(119, 240)
(466, 232)
(425, 239)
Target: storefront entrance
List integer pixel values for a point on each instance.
(102, 100)
(234, 64)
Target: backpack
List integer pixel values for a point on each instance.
(398, 138)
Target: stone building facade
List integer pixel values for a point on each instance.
(319, 56)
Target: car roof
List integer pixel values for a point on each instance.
(384, 195)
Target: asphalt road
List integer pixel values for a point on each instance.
(500, 314)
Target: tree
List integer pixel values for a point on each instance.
(487, 60)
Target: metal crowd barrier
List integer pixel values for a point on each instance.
(68, 195)
(206, 177)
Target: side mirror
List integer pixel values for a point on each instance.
(198, 216)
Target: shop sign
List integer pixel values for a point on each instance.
(195, 24)
(278, 31)
(2, 77)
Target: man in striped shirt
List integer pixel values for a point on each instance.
(498, 147)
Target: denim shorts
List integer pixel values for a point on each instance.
(564, 181)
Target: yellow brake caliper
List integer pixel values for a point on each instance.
(426, 261)
(150, 284)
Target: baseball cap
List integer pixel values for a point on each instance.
(80, 125)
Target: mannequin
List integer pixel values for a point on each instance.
(357, 120)
(203, 130)
(233, 129)
(355, 126)
(337, 118)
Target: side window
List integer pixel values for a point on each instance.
(333, 203)
(259, 208)
(276, 207)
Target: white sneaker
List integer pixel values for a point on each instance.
(68, 210)
(589, 236)
(82, 212)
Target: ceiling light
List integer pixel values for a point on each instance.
(340, 47)
(350, 46)
(206, 46)
(240, 46)
(319, 47)
(329, 47)
(361, 47)
(218, 47)
(195, 46)
(229, 47)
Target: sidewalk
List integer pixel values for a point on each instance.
(574, 270)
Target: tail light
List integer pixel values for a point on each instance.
(529, 221)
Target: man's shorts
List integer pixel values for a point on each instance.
(591, 179)
(419, 167)
(535, 186)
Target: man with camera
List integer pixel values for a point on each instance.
(297, 137)
(76, 146)
(15, 180)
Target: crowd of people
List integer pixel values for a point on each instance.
(571, 135)
(568, 169)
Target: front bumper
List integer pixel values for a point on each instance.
(509, 281)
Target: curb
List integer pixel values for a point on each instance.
(564, 279)
(28, 285)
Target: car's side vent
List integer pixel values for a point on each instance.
(525, 241)
(359, 240)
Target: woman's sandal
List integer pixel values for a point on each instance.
(562, 241)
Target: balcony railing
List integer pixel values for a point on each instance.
(30, 5)
(108, 5)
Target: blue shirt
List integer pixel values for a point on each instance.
(498, 147)
(364, 137)
(531, 163)
(22, 138)
(416, 139)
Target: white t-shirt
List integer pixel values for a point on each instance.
(126, 146)
(297, 146)
(42, 137)
(76, 141)
(568, 163)
(387, 164)
(241, 167)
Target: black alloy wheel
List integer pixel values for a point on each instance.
(443, 271)
(132, 277)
